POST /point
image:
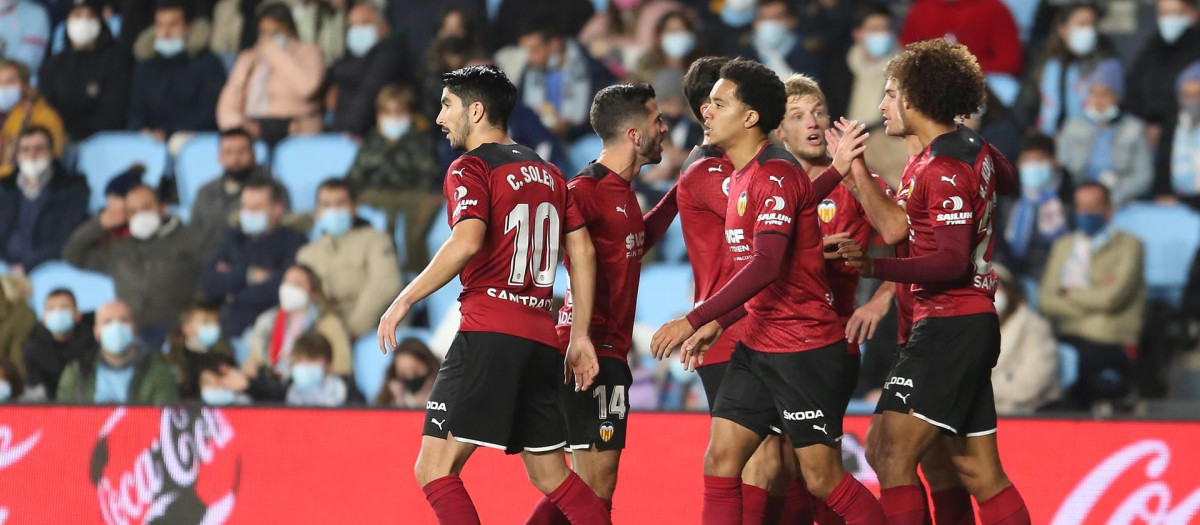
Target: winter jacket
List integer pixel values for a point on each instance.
(46, 358)
(1111, 310)
(243, 302)
(89, 88)
(176, 93)
(1150, 86)
(1026, 374)
(29, 113)
(213, 211)
(291, 87)
(64, 208)
(152, 383)
(407, 164)
(360, 273)
(1133, 164)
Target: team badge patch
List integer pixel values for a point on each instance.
(606, 432)
(742, 199)
(827, 210)
(725, 186)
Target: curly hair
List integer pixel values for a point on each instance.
(759, 89)
(941, 80)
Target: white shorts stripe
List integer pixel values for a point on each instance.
(580, 447)
(546, 449)
(481, 443)
(934, 423)
(984, 433)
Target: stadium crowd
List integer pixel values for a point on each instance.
(258, 287)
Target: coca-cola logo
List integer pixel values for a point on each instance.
(11, 453)
(160, 485)
(1150, 504)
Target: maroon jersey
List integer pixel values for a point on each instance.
(772, 195)
(840, 212)
(703, 197)
(610, 211)
(904, 297)
(508, 285)
(954, 184)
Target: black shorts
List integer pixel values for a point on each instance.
(710, 378)
(499, 391)
(944, 375)
(804, 393)
(599, 415)
(895, 357)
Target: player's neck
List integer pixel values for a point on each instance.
(488, 136)
(928, 130)
(744, 150)
(813, 167)
(623, 164)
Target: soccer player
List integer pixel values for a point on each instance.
(788, 370)
(510, 213)
(940, 386)
(627, 119)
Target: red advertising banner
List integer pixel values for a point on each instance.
(108, 465)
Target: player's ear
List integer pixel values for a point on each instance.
(751, 119)
(477, 112)
(634, 135)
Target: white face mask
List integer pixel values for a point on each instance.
(292, 298)
(83, 31)
(33, 168)
(144, 224)
(1081, 40)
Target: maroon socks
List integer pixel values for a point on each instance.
(953, 507)
(1005, 508)
(722, 501)
(855, 504)
(450, 501)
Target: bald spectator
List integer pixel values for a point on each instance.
(124, 371)
(986, 27)
(26, 33)
(155, 269)
(375, 57)
(21, 107)
(218, 201)
(41, 205)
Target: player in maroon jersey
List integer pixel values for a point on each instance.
(788, 370)
(510, 212)
(940, 386)
(627, 119)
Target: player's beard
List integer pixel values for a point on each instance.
(812, 153)
(458, 132)
(652, 151)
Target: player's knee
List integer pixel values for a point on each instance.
(763, 469)
(982, 479)
(425, 471)
(893, 460)
(719, 461)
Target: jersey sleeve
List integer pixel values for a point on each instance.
(949, 190)
(705, 189)
(777, 196)
(577, 198)
(467, 193)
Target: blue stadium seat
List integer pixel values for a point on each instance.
(105, 155)
(1068, 365)
(302, 163)
(582, 151)
(1171, 235)
(672, 246)
(400, 239)
(665, 293)
(561, 281)
(197, 164)
(439, 232)
(91, 289)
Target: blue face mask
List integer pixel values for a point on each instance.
(771, 34)
(9, 96)
(335, 221)
(736, 15)
(879, 43)
(253, 222)
(678, 44)
(393, 128)
(5, 390)
(360, 39)
(1171, 27)
(1090, 224)
(307, 376)
(208, 335)
(218, 396)
(116, 337)
(60, 321)
(1036, 175)
(168, 47)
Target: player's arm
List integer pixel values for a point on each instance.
(849, 148)
(660, 218)
(581, 355)
(889, 218)
(865, 320)
(465, 241)
(950, 260)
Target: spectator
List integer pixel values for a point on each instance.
(64, 336)
(17, 319)
(12, 387)
(1072, 53)
(559, 80)
(26, 32)
(410, 378)
(396, 170)
(1094, 292)
(195, 39)
(1025, 377)
(125, 371)
(674, 47)
(41, 206)
(1152, 79)
(112, 218)
(322, 23)
(779, 45)
(425, 22)
(244, 274)
(155, 269)
(1037, 216)
(730, 28)
(224, 387)
(301, 309)
(1178, 166)
(20, 107)
(376, 58)
(273, 86)
(566, 17)
(176, 88)
(356, 262)
(217, 201)
(986, 27)
(1107, 145)
(446, 55)
(862, 78)
(197, 345)
(88, 82)
(312, 384)
(621, 34)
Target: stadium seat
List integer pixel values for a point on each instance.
(672, 246)
(302, 163)
(108, 154)
(1068, 365)
(1171, 235)
(665, 293)
(197, 164)
(561, 281)
(91, 289)
(439, 232)
(439, 303)
(582, 151)
(400, 239)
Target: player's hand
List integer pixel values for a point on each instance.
(856, 257)
(865, 320)
(669, 337)
(581, 363)
(833, 139)
(386, 334)
(831, 243)
(692, 352)
(851, 146)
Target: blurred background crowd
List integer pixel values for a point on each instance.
(215, 200)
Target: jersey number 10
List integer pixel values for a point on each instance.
(542, 263)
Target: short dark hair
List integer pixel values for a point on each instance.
(486, 84)
(338, 183)
(259, 182)
(197, 306)
(236, 132)
(759, 89)
(1093, 184)
(278, 12)
(699, 79)
(167, 5)
(37, 130)
(941, 80)
(615, 106)
(869, 10)
(312, 345)
(1039, 142)
(64, 291)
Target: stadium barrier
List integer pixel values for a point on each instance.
(83, 465)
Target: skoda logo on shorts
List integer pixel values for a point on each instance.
(606, 432)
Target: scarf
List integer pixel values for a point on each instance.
(1185, 157)
(574, 93)
(1036, 216)
(284, 334)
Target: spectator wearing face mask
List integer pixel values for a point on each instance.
(1106, 145)
(1156, 70)
(273, 340)
(1178, 164)
(622, 33)
(778, 44)
(26, 32)
(175, 88)
(155, 269)
(22, 107)
(1025, 377)
(1072, 52)
(64, 335)
(674, 47)
(125, 371)
(244, 274)
(356, 262)
(986, 27)
(195, 39)
(409, 380)
(88, 82)
(1039, 214)
(1094, 292)
(560, 79)
(272, 89)
(375, 57)
(197, 345)
(217, 203)
(40, 206)
(312, 382)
